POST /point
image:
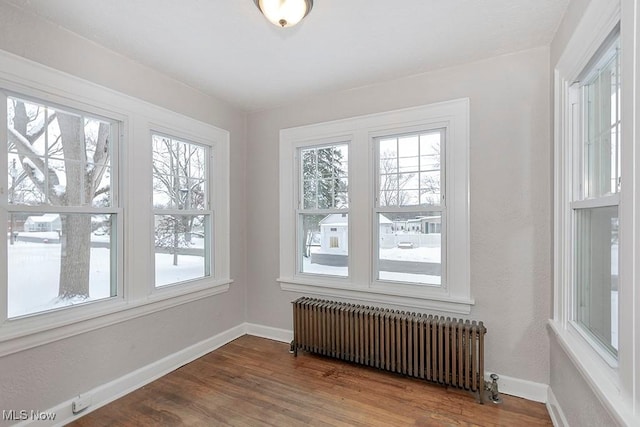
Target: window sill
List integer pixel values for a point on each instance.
(602, 379)
(411, 300)
(25, 333)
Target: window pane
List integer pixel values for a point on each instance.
(182, 245)
(57, 157)
(324, 244)
(409, 247)
(57, 260)
(179, 174)
(601, 128)
(324, 177)
(409, 170)
(597, 273)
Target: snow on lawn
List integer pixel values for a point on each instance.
(431, 255)
(34, 274)
(413, 254)
(308, 267)
(189, 267)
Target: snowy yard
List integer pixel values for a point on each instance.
(426, 255)
(34, 270)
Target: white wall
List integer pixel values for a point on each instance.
(42, 377)
(510, 203)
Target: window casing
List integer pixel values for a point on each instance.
(116, 205)
(371, 272)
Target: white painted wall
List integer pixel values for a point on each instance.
(510, 203)
(42, 377)
(578, 403)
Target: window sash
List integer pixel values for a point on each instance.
(380, 208)
(206, 211)
(593, 190)
(84, 208)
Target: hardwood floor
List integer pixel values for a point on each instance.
(254, 381)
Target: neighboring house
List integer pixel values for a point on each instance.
(334, 234)
(47, 222)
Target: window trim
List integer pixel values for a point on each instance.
(29, 79)
(360, 132)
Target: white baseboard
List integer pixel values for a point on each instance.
(525, 389)
(555, 411)
(119, 387)
(276, 334)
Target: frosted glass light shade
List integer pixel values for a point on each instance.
(284, 13)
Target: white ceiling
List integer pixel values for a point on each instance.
(228, 49)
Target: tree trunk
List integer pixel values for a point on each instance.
(75, 256)
(175, 241)
(76, 228)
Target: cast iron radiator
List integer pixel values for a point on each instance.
(437, 349)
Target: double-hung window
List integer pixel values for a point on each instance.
(595, 200)
(62, 205)
(182, 210)
(409, 208)
(371, 208)
(323, 213)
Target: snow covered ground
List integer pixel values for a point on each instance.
(431, 255)
(34, 272)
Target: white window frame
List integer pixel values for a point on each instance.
(118, 122)
(615, 383)
(21, 77)
(360, 132)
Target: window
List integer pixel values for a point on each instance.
(182, 216)
(80, 193)
(408, 202)
(376, 211)
(595, 202)
(324, 210)
(596, 184)
(62, 207)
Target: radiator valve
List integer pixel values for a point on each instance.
(492, 388)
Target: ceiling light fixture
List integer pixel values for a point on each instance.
(284, 13)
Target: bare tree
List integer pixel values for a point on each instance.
(179, 179)
(79, 187)
(391, 182)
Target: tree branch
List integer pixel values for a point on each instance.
(25, 149)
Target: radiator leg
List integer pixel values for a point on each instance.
(293, 349)
(492, 389)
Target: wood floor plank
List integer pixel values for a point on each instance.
(256, 382)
